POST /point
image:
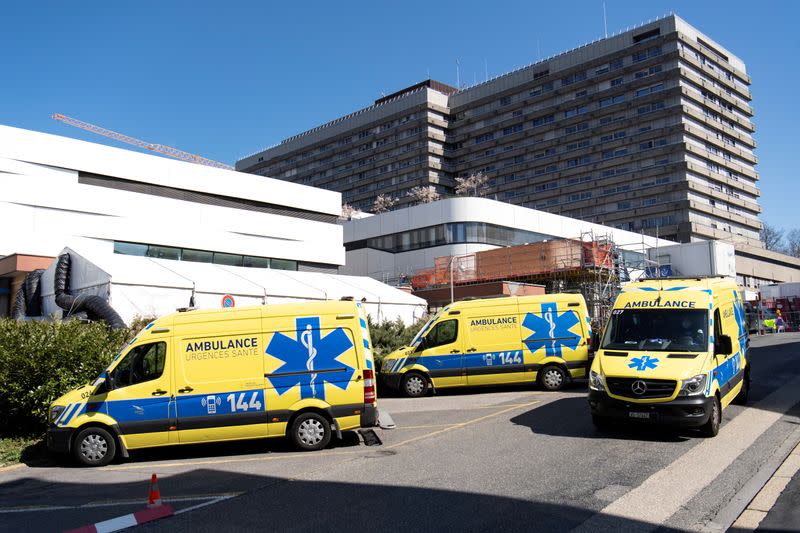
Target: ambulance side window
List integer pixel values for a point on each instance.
(443, 333)
(143, 363)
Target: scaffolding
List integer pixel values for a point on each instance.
(590, 265)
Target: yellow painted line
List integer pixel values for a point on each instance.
(425, 426)
(149, 465)
(461, 424)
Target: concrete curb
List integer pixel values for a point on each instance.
(726, 516)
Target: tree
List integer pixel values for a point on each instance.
(383, 202)
(793, 243)
(772, 237)
(474, 183)
(424, 195)
(348, 211)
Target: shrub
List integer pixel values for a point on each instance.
(391, 335)
(41, 360)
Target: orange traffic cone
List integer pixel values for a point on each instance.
(154, 498)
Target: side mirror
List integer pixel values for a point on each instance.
(102, 384)
(723, 345)
(594, 344)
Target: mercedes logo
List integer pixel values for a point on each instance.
(639, 387)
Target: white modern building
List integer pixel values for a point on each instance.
(396, 244)
(58, 191)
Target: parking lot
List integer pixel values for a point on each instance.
(469, 460)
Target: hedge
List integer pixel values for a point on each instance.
(41, 360)
(391, 335)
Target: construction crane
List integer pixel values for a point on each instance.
(160, 148)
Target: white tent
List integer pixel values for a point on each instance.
(144, 286)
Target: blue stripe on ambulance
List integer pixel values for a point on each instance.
(66, 412)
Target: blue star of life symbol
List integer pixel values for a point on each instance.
(643, 363)
(551, 331)
(310, 352)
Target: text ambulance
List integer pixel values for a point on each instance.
(495, 341)
(674, 351)
(297, 370)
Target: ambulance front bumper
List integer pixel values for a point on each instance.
(391, 380)
(59, 439)
(690, 411)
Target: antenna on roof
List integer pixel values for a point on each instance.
(485, 69)
(538, 51)
(605, 21)
(458, 73)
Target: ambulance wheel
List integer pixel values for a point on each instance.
(415, 385)
(741, 398)
(311, 431)
(711, 428)
(94, 446)
(552, 377)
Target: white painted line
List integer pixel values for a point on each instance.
(204, 504)
(137, 502)
(662, 494)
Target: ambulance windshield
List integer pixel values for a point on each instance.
(657, 330)
(421, 333)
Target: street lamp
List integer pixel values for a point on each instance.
(460, 268)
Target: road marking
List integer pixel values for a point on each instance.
(426, 426)
(461, 425)
(662, 494)
(116, 503)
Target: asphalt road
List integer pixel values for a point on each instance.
(520, 459)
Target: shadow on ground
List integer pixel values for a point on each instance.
(282, 504)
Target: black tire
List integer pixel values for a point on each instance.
(741, 398)
(414, 385)
(310, 432)
(552, 378)
(600, 422)
(94, 446)
(711, 428)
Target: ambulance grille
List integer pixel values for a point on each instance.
(655, 388)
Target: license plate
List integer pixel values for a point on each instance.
(633, 414)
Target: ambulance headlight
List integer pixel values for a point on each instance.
(55, 412)
(693, 386)
(596, 381)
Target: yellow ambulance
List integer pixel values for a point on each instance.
(674, 352)
(301, 370)
(493, 341)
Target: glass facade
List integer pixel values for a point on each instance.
(450, 233)
(202, 256)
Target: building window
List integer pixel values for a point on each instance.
(648, 90)
(605, 102)
(616, 81)
(484, 138)
(540, 121)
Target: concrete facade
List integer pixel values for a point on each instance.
(649, 131)
(56, 190)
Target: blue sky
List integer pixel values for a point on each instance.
(224, 80)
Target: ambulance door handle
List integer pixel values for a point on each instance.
(472, 350)
(158, 392)
(454, 351)
(186, 389)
